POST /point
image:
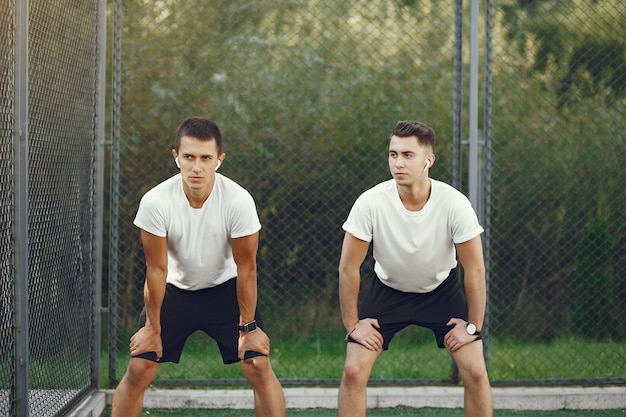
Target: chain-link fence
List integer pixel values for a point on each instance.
(558, 222)
(7, 106)
(307, 92)
(49, 83)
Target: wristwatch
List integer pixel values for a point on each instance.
(471, 329)
(248, 327)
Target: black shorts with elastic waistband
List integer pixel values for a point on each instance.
(396, 309)
(214, 311)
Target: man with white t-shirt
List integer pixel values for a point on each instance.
(200, 233)
(417, 226)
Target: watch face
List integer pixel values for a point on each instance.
(471, 328)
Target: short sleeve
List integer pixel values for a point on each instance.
(244, 217)
(359, 222)
(151, 215)
(465, 225)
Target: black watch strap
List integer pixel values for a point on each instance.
(248, 327)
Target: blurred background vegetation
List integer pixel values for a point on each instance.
(306, 93)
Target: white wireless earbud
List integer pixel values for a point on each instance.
(219, 164)
(427, 165)
(177, 163)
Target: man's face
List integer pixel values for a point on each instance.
(407, 159)
(198, 160)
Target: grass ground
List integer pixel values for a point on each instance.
(411, 355)
(383, 412)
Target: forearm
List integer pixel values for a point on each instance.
(246, 293)
(349, 284)
(154, 292)
(476, 292)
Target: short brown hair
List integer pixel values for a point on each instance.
(424, 133)
(201, 129)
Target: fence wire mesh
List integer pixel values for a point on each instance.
(559, 82)
(306, 93)
(7, 103)
(57, 137)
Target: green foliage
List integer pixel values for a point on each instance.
(592, 296)
(306, 126)
(555, 168)
(582, 42)
(306, 93)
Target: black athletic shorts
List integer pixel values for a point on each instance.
(214, 311)
(396, 310)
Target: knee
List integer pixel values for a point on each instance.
(257, 369)
(354, 373)
(140, 373)
(475, 376)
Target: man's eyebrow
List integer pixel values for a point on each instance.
(207, 155)
(402, 152)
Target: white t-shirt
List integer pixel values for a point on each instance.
(199, 247)
(413, 250)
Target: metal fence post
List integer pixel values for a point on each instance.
(20, 384)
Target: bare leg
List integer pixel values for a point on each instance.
(269, 399)
(478, 398)
(128, 397)
(352, 399)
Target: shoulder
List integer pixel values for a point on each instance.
(231, 187)
(378, 193)
(160, 193)
(233, 195)
(447, 193)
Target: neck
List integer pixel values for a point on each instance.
(197, 197)
(415, 196)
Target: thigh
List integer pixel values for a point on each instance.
(219, 318)
(470, 358)
(396, 310)
(177, 324)
(359, 359)
(389, 306)
(437, 307)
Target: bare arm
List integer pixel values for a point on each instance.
(148, 338)
(471, 257)
(244, 253)
(353, 254)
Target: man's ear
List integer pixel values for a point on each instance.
(175, 155)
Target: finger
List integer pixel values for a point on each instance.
(369, 345)
(372, 341)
